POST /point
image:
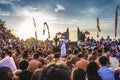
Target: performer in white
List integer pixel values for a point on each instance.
(63, 47)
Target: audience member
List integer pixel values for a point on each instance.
(78, 74)
(92, 71)
(25, 74)
(105, 72)
(55, 72)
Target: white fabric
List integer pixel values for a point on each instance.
(8, 62)
(63, 50)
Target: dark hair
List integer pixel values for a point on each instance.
(103, 60)
(35, 56)
(55, 72)
(9, 53)
(23, 65)
(36, 74)
(92, 71)
(79, 55)
(6, 73)
(99, 52)
(78, 74)
(75, 51)
(40, 53)
(94, 53)
(57, 55)
(25, 55)
(90, 50)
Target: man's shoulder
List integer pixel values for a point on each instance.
(105, 70)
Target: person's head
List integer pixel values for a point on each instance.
(40, 53)
(103, 60)
(95, 55)
(36, 74)
(75, 51)
(35, 56)
(55, 72)
(79, 56)
(57, 55)
(92, 68)
(9, 53)
(25, 55)
(89, 51)
(99, 52)
(23, 65)
(92, 71)
(78, 74)
(105, 50)
(6, 73)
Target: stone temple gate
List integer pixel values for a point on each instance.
(80, 35)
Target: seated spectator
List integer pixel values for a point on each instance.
(25, 74)
(93, 56)
(92, 71)
(55, 72)
(82, 63)
(35, 63)
(56, 57)
(25, 55)
(99, 52)
(78, 74)
(71, 60)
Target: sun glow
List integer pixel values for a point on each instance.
(27, 29)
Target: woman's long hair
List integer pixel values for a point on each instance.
(92, 71)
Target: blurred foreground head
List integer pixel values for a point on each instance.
(6, 73)
(78, 74)
(55, 72)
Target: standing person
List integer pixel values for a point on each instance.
(104, 71)
(63, 48)
(92, 71)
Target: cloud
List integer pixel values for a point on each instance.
(4, 13)
(7, 1)
(59, 8)
(90, 10)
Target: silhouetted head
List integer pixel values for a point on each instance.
(92, 71)
(23, 65)
(78, 74)
(6, 73)
(103, 60)
(92, 68)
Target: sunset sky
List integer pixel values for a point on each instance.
(59, 14)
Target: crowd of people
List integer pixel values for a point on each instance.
(90, 60)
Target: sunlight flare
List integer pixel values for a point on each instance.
(27, 29)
